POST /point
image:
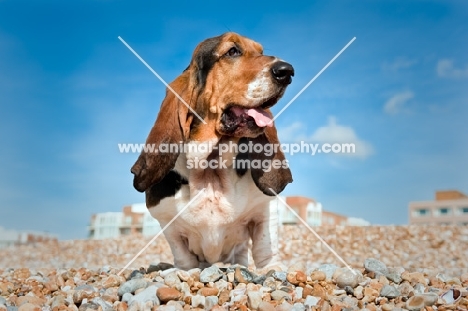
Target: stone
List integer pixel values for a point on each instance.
(280, 275)
(318, 275)
(131, 286)
(243, 275)
(211, 274)
(430, 299)
(210, 302)
(112, 281)
(328, 269)
(347, 278)
(136, 274)
(415, 303)
(29, 307)
(389, 291)
(166, 294)
(183, 275)
(105, 306)
(158, 267)
(279, 294)
(208, 291)
(172, 279)
(376, 266)
(311, 301)
(254, 298)
(30, 299)
(265, 306)
(84, 292)
(284, 306)
(198, 301)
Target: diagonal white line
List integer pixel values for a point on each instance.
(313, 79)
(313, 231)
(161, 79)
(160, 232)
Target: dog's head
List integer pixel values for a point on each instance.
(230, 85)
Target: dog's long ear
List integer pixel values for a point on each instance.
(174, 120)
(172, 126)
(269, 177)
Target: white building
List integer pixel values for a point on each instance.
(133, 219)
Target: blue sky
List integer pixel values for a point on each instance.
(70, 91)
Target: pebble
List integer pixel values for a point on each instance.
(328, 269)
(254, 298)
(211, 274)
(279, 294)
(327, 287)
(198, 301)
(311, 301)
(389, 291)
(376, 266)
(131, 286)
(148, 294)
(347, 278)
(159, 267)
(415, 303)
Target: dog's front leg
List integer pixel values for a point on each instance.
(264, 236)
(183, 258)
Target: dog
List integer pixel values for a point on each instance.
(221, 99)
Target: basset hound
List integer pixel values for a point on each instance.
(230, 85)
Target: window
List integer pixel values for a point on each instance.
(464, 210)
(444, 211)
(421, 212)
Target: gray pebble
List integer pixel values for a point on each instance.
(376, 266)
(148, 294)
(389, 291)
(347, 278)
(158, 267)
(311, 301)
(298, 307)
(329, 269)
(172, 279)
(131, 286)
(211, 274)
(280, 276)
(210, 302)
(102, 303)
(136, 274)
(127, 297)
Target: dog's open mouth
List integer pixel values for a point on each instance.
(235, 116)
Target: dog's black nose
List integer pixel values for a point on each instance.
(282, 72)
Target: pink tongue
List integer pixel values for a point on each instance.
(261, 117)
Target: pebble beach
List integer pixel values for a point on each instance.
(376, 268)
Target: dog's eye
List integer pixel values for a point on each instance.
(234, 51)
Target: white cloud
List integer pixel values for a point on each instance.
(396, 103)
(445, 69)
(399, 63)
(335, 133)
(292, 133)
(331, 133)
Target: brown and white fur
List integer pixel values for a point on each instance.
(228, 80)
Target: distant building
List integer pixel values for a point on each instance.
(313, 213)
(449, 207)
(133, 219)
(136, 218)
(13, 237)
